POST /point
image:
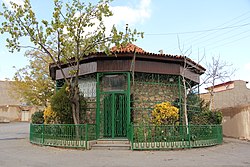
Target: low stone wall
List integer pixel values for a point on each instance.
(236, 122)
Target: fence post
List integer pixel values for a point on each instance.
(219, 134)
(86, 136)
(189, 136)
(31, 131)
(42, 134)
(132, 136)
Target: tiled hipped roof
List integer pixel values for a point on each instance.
(131, 48)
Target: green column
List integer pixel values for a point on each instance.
(113, 116)
(98, 106)
(128, 102)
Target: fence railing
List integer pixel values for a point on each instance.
(142, 137)
(146, 137)
(62, 135)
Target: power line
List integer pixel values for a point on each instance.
(212, 33)
(191, 32)
(224, 44)
(227, 43)
(217, 36)
(209, 39)
(198, 36)
(231, 42)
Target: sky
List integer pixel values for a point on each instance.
(206, 28)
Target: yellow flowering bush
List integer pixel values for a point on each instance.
(49, 115)
(165, 113)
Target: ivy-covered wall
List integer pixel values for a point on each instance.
(146, 91)
(150, 89)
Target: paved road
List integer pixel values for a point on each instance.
(15, 150)
(12, 131)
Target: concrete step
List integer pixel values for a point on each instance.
(111, 144)
(113, 141)
(111, 147)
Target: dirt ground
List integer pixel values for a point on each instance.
(15, 150)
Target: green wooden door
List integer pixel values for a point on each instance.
(113, 105)
(115, 115)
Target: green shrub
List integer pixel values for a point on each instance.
(195, 105)
(37, 117)
(61, 105)
(207, 117)
(199, 113)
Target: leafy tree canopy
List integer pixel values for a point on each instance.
(32, 82)
(66, 38)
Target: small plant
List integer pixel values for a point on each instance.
(37, 117)
(165, 114)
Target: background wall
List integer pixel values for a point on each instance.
(16, 113)
(11, 106)
(236, 122)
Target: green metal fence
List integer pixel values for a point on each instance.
(142, 137)
(146, 137)
(62, 135)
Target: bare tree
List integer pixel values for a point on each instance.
(217, 70)
(187, 86)
(184, 82)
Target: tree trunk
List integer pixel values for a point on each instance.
(76, 109)
(185, 105)
(76, 105)
(211, 100)
(185, 102)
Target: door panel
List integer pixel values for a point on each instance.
(120, 115)
(107, 119)
(114, 115)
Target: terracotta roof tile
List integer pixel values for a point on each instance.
(128, 48)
